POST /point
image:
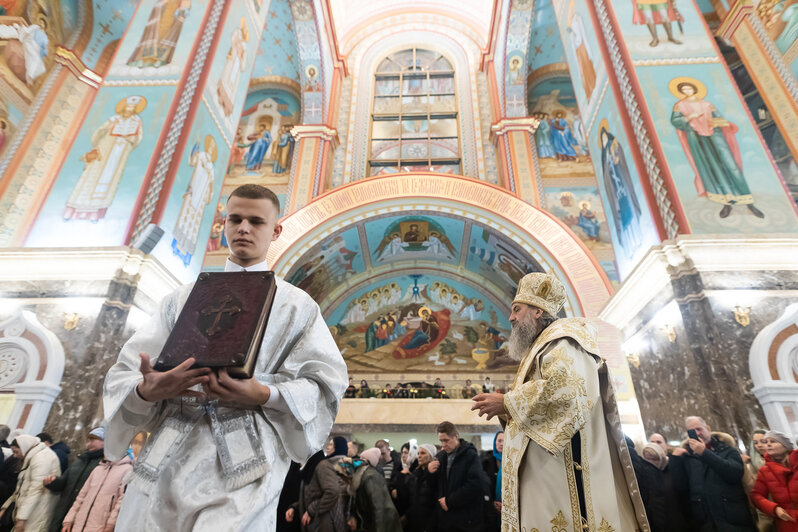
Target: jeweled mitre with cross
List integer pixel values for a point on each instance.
(222, 323)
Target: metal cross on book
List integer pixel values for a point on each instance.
(226, 307)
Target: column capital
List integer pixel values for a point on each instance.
(734, 17)
(528, 124)
(320, 131)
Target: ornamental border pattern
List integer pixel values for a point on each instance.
(664, 204)
(770, 48)
(176, 127)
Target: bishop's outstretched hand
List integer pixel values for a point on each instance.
(489, 404)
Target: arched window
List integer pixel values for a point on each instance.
(414, 116)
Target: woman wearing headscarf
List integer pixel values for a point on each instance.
(421, 514)
(323, 508)
(663, 507)
(298, 508)
(400, 485)
(33, 504)
(372, 508)
(492, 465)
(776, 490)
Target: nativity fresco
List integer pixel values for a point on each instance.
(398, 292)
(418, 322)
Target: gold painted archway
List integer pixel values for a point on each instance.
(528, 226)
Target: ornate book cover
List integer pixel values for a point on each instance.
(222, 322)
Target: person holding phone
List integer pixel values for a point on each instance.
(709, 469)
(776, 490)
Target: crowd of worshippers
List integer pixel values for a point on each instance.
(703, 484)
(420, 390)
(45, 488)
(448, 486)
(706, 484)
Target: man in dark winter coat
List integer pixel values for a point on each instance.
(709, 468)
(60, 449)
(70, 483)
(460, 482)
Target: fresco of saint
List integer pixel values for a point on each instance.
(234, 65)
(542, 136)
(562, 140)
(711, 148)
(112, 144)
(584, 57)
(653, 12)
(620, 192)
(156, 47)
(198, 195)
(257, 150)
(281, 154)
(588, 221)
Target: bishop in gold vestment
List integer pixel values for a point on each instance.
(565, 466)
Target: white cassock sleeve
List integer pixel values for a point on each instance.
(126, 414)
(310, 382)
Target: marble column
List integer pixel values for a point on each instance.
(80, 400)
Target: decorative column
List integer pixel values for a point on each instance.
(515, 140)
(315, 144)
(763, 61)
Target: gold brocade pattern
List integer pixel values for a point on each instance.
(605, 526)
(573, 493)
(559, 523)
(545, 412)
(550, 410)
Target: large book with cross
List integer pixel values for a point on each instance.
(222, 323)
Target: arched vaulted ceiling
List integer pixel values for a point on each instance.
(351, 17)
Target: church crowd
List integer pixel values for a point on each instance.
(422, 487)
(43, 490)
(704, 484)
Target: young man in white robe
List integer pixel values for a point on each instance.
(565, 463)
(220, 447)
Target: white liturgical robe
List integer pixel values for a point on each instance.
(186, 487)
(566, 466)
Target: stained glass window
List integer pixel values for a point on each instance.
(414, 124)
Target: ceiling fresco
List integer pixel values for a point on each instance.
(545, 44)
(416, 292)
(277, 52)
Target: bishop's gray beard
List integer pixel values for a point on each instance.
(522, 336)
